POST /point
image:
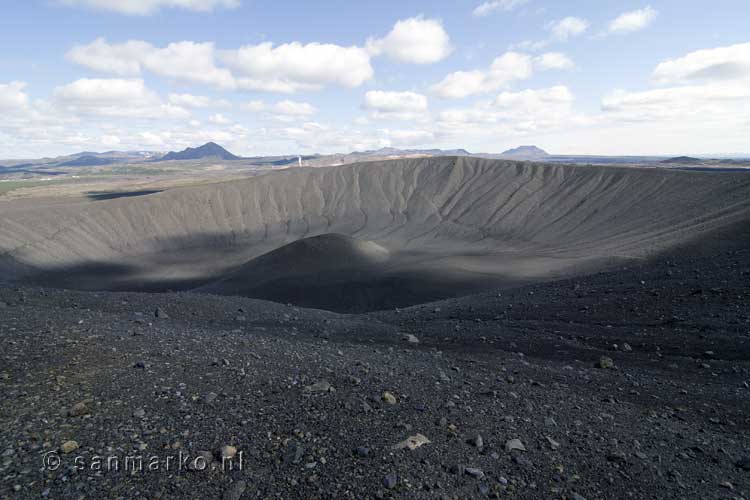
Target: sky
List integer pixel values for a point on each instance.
(265, 77)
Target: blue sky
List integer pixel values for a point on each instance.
(283, 77)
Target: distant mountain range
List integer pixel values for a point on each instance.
(88, 161)
(208, 150)
(402, 152)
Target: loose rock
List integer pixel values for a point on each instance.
(390, 481)
(78, 410)
(322, 386)
(69, 446)
(389, 398)
(412, 442)
(605, 363)
(235, 491)
(411, 338)
(477, 442)
(475, 473)
(514, 444)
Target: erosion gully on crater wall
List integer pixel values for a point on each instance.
(372, 235)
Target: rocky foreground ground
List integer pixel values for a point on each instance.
(628, 384)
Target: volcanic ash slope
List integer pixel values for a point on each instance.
(454, 225)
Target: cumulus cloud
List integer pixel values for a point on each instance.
(318, 137)
(553, 60)
(568, 27)
(148, 7)
(527, 108)
(704, 102)
(294, 108)
(395, 105)
(219, 119)
(196, 101)
(535, 101)
(253, 106)
(13, 97)
(186, 61)
(284, 111)
(635, 20)
(505, 69)
(110, 140)
(121, 59)
(491, 6)
(292, 67)
(415, 40)
(285, 68)
(114, 98)
(560, 31)
(513, 114)
(710, 92)
(718, 64)
(313, 136)
(409, 138)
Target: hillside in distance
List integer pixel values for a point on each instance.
(208, 150)
(526, 153)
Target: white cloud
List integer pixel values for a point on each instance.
(219, 119)
(13, 97)
(114, 98)
(568, 27)
(396, 105)
(196, 101)
(491, 6)
(148, 7)
(317, 137)
(96, 91)
(553, 60)
(535, 101)
(294, 108)
(718, 64)
(461, 84)
(253, 106)
(695, 102)
(560, 31)
(186, 61)
(292, 67)
(189, 61)
(109, 140)
(409, 138)
(524, 110)
(122, 59)
(415, 40)
(285, 68)
(505, 69)
(633, 21)
(151, 139)
(512, 116)
(284, 111)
